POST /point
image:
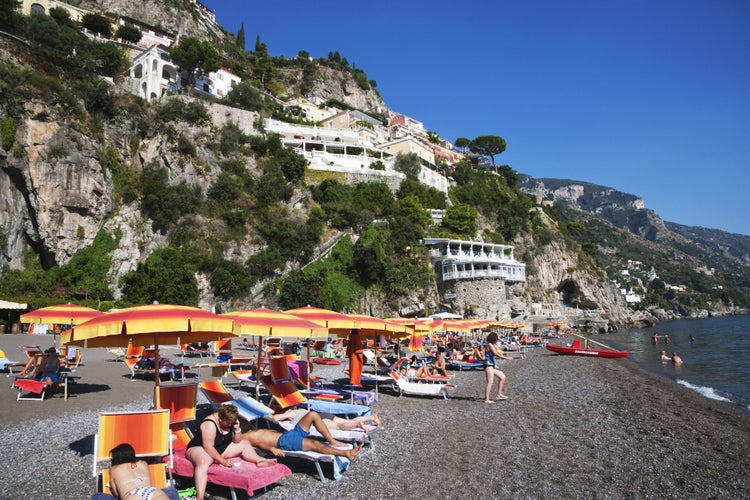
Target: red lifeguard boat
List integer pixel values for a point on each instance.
(576, 349)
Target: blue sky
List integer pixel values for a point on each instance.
(649, 97)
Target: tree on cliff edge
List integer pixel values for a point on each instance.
(195, 57)
(488, 145)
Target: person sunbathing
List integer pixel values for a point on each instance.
(438, 364)
(49, 366)
(130, 478)
(410, 372)
(338, 423)
(296, 439)
(351, 424)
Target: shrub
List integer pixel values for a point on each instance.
(8, 131)
(57, 151)
(98, 24)
(129, 33)
(168, 276)
(196, 112)
(185, 146)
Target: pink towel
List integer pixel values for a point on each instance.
(247, 476)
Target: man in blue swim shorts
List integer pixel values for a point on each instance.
(297, 440)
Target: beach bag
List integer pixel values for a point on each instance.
(187, 493)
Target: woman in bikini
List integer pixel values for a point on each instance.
(129, 478)
(218, 440)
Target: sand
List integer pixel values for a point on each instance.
(574, 427)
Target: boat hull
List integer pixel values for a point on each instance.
(582, 351)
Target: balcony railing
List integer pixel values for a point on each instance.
(516, 274)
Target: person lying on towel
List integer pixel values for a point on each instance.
(296, 439)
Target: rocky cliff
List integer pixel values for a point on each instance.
(178, 17)
(58, 186)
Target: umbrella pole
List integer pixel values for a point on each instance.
(309, 366)
(257, 369)
(156, 361)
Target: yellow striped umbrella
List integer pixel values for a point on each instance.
(62, 314)
(340, 324)
(152, 324)
(334, 321)
(267, 322)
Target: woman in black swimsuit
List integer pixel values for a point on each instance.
(218, 440)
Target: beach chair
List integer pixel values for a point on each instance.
(380, 364)
(27, 383)
(287, 395)
(319, 350)
(132, 355)
(146, 431)
(223, 350)
(179, 399)
(117, 352)
(403, 386)
(465, 365)
(217, 394)
(6, 364)
(195, 349)
(135, 363)
(73, 357)
(338, 464)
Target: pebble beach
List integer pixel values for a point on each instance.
(574, 427)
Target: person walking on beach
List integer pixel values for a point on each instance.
(490, 353)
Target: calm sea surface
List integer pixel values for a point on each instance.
(716, 364)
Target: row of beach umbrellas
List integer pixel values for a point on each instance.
(164, 324)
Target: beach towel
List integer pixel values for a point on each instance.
(246, 476)
(29, 385)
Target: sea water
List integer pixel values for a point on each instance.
(716, 364)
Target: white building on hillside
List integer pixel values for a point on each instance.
(464, 260)
(217, 83)
(154, 73)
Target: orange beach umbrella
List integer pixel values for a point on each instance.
(267, 322)
(334, 321)
(62, 314)
(152, 324)
(340, 324)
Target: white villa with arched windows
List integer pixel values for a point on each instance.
(154, 73)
